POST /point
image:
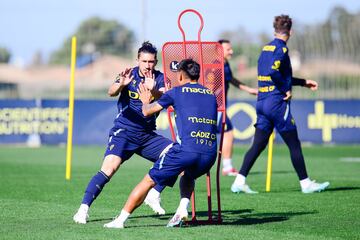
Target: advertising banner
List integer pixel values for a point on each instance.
(35, 122)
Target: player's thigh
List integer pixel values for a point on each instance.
(283, 119)
(121, 145)
(201, 166)
(264, 123)
(154, 146)
(166, 170)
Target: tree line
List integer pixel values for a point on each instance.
(337, 37)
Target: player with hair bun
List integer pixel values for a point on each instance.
(132, 131)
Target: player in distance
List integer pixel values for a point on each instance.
(227, 149)
(275, 82)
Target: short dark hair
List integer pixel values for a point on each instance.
(282, 24)
(147, 47)
(191, 68)
(221, 41)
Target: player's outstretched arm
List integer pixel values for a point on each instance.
(248, 89)
(313, 85)
(145, 97)
(243, 86)
(122, 80)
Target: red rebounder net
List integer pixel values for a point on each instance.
(211, 59)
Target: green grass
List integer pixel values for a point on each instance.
(36, 202)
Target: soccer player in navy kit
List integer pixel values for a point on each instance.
(227, 149)
(196, 119)
(132, 132)
(275, 81)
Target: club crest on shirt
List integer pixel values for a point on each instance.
(293, 121)
(174, 66)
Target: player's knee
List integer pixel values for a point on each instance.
(256, 148)
(261, 139)
(187, 180)
(150, 181)
(110, 165)
(291, 138)
(260, 144)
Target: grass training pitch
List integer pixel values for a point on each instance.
(37, 202)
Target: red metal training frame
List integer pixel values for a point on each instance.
(219, 64)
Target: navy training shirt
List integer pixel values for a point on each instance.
(129, 105)
(196, 116)
(274, 70)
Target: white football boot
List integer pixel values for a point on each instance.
(180, 217)
(154, 204)
(116, 223)
(315, 187)
(82, 215)
(238, 188)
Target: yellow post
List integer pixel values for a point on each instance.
(269, 163)
(71, 110)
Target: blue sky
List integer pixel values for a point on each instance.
(29, 26)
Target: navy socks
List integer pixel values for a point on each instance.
(95, 187)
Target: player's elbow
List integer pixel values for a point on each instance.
(112, 93)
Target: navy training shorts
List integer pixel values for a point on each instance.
(166, 170)
(125, 143)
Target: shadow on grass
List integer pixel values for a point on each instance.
(328, 190)
(161, 217)
(230, 217)
(260, 218)
(273, 172)
(342, 189)
(247, 217)
(100, 219)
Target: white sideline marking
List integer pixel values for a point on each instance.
(350, 159)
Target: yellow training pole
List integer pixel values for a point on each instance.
(269, 163)
(71, 110)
